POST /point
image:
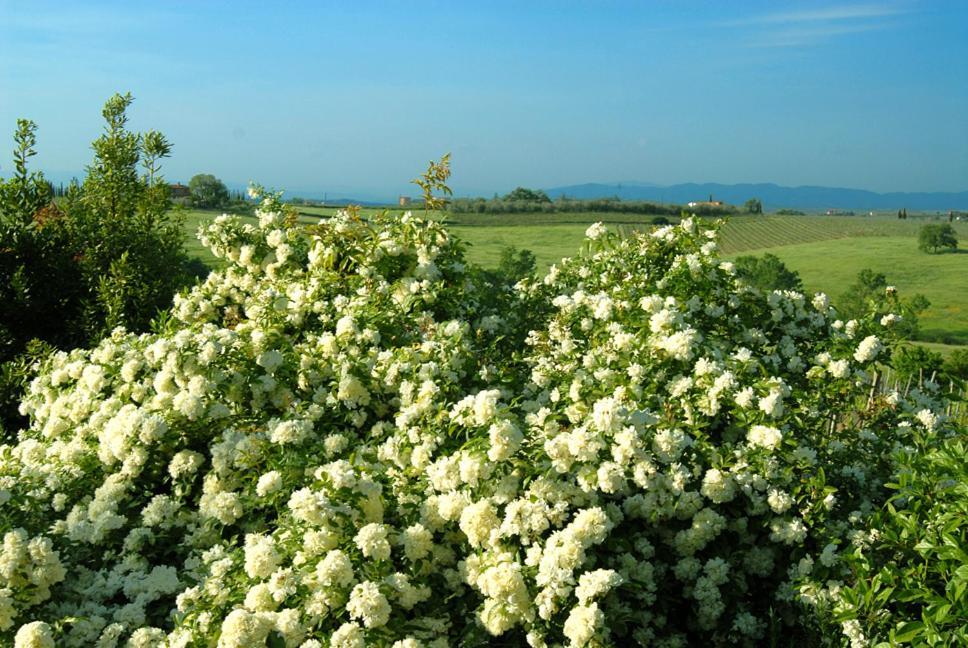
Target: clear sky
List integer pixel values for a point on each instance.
(355, 97)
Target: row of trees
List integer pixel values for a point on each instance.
(528, 201)
(110, 253)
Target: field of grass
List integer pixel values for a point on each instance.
(827, 251)
(830, 266)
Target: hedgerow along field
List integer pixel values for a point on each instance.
(827, 251)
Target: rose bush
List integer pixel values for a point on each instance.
(349, 437)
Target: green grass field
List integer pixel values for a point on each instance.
(830, 266)
(827, 251)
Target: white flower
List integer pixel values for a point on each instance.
(368, 605)
(764, 436)
(505, 438)
(270, 360)
(596, 230)
(772, 404)
(372, 541)
(890, 319)
(268, 483)
(36, 634)
(596, 583)
(839, 368)
(582, 623)
(335, 570)
(868, 349)
(348, 635)
(718, 487)
(242, 628)
(478, 521)
(927, 418)
(261, 557)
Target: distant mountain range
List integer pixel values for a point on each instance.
(772, 196)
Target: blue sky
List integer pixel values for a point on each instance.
(356, 97)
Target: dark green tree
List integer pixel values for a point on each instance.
(753, 206)
(208, 191)
(516, 264)
(935, 237)
(528, 195)
(767, 272)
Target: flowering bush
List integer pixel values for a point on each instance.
(347, 437)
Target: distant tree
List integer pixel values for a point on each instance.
(789, 212)
(767, 272)
(753, 206)
(528, 195)
(932, 238)
(207, 191)
(661, 220)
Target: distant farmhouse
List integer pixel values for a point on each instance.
(404, 201)
(179, 192)
(705, 203)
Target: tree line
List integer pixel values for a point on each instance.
(534, 201)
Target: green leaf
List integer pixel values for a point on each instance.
(908, 631)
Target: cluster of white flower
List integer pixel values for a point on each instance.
(346, 439)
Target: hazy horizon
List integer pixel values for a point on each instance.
(356, 100)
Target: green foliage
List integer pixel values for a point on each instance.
(112, 188)
(528, 195)
(26, 192)
(909, 585)
(516, 264)
(112, 255)
(789, 212)
(935, 237)
(433, 180)
(915, 363)
(208, 191)
(767, 273)
(753, 206)
(956, 365)
(871, 294)
(131, 249)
